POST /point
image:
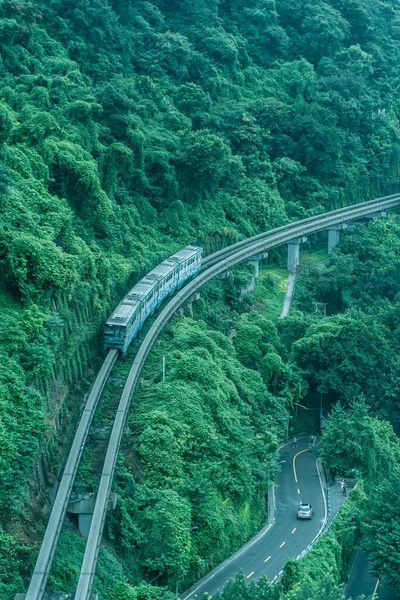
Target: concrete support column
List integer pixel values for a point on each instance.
(83, 506)
(223, 275)
(293, 253)
(256, 263)
(378, 215)
(255, 260)
(193, 298)
(334, 235)
(333, 238)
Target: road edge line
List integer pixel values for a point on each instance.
(239, 552)
(228, 560)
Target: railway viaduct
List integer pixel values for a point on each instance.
(214, 266)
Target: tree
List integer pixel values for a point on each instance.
(381, 526)
(291, 575)
(354, 440)
(348, 355)
(4, 176)
(167, 523)
(324, 30)
(203, 160)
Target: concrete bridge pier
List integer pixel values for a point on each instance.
(293, 253)
(255, 260)
(193, 298)
(377, 215)
(334, 235)
(83, 506)
(223, 275)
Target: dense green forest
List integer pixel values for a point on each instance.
(192, 475)
(127, 130)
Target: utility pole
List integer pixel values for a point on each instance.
(323, 304)
(271, 465)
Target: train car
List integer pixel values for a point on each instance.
(142, 300)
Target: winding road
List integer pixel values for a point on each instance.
(268, 551)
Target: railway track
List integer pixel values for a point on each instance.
(213, 266)
(210, 260)
(47, 550)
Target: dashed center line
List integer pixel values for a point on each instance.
(267, 559)
(250, 574)
(294, 530)
(298, 491)
(283, 543)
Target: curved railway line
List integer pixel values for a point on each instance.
(212, 266)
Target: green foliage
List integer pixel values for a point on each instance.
(347, 354)
(124, 591)
(291, 575)
(13, 552)
(21, 422)
(356, 443)
(128, 130)
(381, 527)
(66, 569)
(356, 440)
(205, 440)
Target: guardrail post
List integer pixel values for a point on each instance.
(293, 253)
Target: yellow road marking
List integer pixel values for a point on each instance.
(283, 543)
(294, 463)
(294, 530)
(298, 491)
(267, 559)
(252, 573)
(376, 587)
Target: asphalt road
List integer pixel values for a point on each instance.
(287, 537)
(362, 582)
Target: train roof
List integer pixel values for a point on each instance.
(161, 270)
(131, 303)
(141, 289)
(187, 252)
(124, 312)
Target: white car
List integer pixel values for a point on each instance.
(305, 511)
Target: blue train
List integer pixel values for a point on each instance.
(145, 296)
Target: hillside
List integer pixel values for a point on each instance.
(129, 129)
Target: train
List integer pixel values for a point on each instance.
(143, 299)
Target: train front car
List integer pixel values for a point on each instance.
(142, 300)
(120, 327)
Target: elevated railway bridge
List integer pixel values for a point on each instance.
(213, 266)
